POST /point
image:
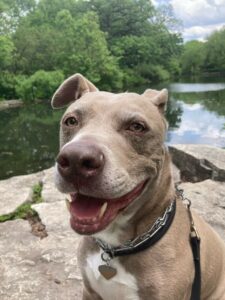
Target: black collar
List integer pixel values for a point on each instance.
(144, 241)
(149, 238)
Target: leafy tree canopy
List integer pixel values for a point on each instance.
(114, 43)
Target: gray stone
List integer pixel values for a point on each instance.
(10, 104)
(36, 269)
(54, 216)
(46, 269)
(49, 191)
(17, 190)
(175, 173)
(208, 199)
(199, 162)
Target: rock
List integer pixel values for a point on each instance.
(46, 269)
(54, 216)
(49, 191)
(175, 173)
(37, 269)
(208, 199)
(199, 162)
(17, 190)
(10, 104)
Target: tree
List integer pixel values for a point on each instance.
(119, 18)
(215, 51)
(193, 57)
(114, 43)
(11, 12)
(41, 85)
(51, 40)
(137, 34)
(83, 48)
(6, 52)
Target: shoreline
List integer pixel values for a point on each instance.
(4, 104)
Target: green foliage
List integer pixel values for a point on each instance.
(138, 36)
(114, 43)
(123, 18)
(8, 83)
(199, 57)
(37, 189)
(193, 57)
(215, 51)
(11, 13)
(89, 56)
(174, 66)
(41, 85)
(160, 73)
(25, 211)
(6, 52)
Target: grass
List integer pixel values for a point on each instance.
(24, 211)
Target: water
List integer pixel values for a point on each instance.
(29, 135)
(200, 115)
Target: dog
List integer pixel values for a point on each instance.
(114, 165)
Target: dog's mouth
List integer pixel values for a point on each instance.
(90, 215)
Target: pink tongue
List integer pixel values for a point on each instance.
(85, 207)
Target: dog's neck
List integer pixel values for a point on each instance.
(158, 197)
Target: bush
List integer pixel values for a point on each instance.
(132, 79)
(8, 83)
(154, 73)
(41, 85)
(174, 67)
(161, 74)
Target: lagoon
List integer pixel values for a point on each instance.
(29, 134)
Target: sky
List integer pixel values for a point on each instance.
(199, 17)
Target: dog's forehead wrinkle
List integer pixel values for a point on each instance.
(106, 106)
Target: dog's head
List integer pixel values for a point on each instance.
(111, 150)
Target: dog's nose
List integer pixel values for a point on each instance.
(80, 159)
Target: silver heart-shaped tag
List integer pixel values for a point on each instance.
(107, 271)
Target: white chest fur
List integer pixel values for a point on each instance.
(122, 286)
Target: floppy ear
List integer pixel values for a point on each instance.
(72, 89)
(159, 98)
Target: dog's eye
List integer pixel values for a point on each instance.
(71, 121)
(137, 127)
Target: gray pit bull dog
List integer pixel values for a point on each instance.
(114, 165)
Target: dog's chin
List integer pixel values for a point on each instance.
(90, 215)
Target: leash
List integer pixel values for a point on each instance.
(195, 246)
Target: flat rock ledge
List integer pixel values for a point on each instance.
(46, 269)
(10, 104)
(199, 162)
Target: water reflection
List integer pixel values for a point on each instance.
(196, 87)
(29, 135)
(28, 139)
(203, 113)
(198, 126)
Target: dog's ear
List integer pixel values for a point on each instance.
(72, 89)
(159, 98)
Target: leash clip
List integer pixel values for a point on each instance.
(194, 231)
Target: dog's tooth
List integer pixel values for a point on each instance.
(68, 203)
(103, 209)
(69, 198)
